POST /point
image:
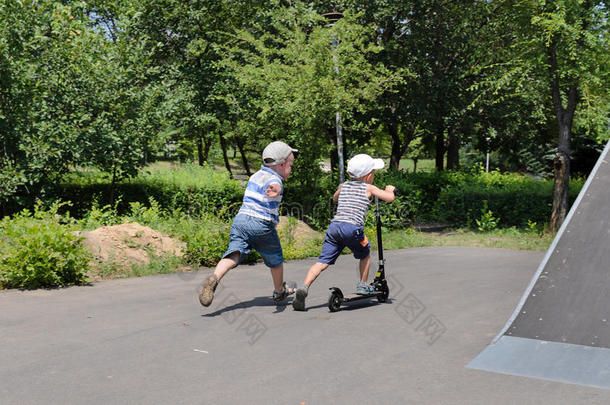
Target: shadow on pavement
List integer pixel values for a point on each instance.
(352, 305)
(255, 302)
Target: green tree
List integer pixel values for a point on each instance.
(560, 50)
(69, 96)
(182, 37)
(287, 67)
(47, 56)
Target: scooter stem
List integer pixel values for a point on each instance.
(378, 226)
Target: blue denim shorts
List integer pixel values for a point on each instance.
(249, 233)
(340, 235)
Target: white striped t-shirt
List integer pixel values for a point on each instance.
(353, 203)
(256, 203)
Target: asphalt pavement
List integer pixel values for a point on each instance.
(149, 341)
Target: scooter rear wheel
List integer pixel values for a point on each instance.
(334, 301)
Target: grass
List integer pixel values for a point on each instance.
(423, 165)
(158, 265)
(501, 238)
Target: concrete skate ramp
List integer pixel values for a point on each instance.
(560, 329)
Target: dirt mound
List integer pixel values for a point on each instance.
(296, 230)
(130, 243)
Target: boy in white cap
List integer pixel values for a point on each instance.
(254, 225)
(347, 227)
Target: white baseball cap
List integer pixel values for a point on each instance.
(276, 153)
(362, 164)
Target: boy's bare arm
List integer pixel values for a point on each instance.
(385, 195)
(336, 195)
(273, 190)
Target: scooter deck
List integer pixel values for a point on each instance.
(355, 297)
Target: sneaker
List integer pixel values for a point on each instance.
(363, 288)
(207, 292)
(279, 296)
(299, 299)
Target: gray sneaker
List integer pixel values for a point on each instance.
(207, 292)
(299, 299)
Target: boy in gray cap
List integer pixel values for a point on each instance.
(254, 225)
(347, 227)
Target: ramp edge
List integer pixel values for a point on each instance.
(553, 361)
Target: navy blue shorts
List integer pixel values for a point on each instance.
(249, 233)
(340, 235)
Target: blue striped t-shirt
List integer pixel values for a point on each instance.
(256, 203)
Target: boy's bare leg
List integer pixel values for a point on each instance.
(206, 295)
(226, 264)
(314, 272)
(277, 273)
(280, 289)
(365, 264)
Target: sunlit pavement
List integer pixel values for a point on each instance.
(149, 341)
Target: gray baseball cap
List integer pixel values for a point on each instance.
(276, 153)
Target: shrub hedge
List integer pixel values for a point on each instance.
(193, 189)
(457, 198)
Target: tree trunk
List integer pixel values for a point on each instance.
(112, 186)
(561, 164)
(396, 152)
(414, 165)
(244, 160)
(440, 147)
(223, 146)
(200, 150)
(453, 151)
(334, 158)
(565, 118)
(560, 190)
(206, 149)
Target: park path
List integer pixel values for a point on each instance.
(148, 341)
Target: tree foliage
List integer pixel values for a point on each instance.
(68, 97)
(108, 83)
(557, 52)
(289, 81)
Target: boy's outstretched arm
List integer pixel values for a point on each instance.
(273, 190)
(385, 195)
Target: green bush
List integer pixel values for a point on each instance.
(458, 197)
(206, 239)
(488, 222)
(455, 197)
(417, 196)
(38, 250)
(100, 216)
(312, 204)
(515, 199)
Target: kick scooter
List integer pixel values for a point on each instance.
(380, 285)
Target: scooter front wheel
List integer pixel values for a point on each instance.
(385, 293)
(334, 301)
